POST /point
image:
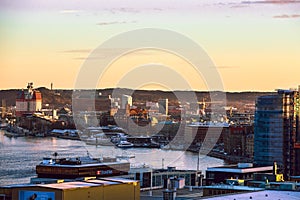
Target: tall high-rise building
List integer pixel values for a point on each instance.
(126, 100)
(276, 131)
(163, 106)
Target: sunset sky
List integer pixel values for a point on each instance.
(255, 45)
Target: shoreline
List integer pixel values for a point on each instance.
(229, 159)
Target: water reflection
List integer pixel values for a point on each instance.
(19, 156)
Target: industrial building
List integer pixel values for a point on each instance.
(235, 140)
(28, 101)
(210, 132)
(98, 189)
(156, 178)
(244, 171)
(91, 102)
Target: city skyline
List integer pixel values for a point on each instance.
(253, 44)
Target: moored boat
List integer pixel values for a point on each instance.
(98, 141)
(125, 144)
(14, 131)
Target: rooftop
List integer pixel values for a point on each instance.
(209, 124)
(233, 187)
(69, 185)
(114, 180)
(76, 162)
(77, 184)
(236, 169)
(184, 193)
(266, 195)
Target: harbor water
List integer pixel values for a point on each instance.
(19, 156)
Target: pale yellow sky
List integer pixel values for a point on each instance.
(255, 46)
(126, 64)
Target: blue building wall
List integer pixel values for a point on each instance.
(268, 129)
(276, 131)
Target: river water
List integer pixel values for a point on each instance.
(19, 156)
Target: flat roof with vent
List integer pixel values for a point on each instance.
(237, 169)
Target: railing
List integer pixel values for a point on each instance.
(152, 188)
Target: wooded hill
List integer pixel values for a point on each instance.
(58, 98)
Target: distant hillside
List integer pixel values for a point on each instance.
(62, 97)
(57, 97)
(9, 96)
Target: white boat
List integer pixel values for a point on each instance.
(125, 156)
(179, 147)
(98, 140)
(125, 144)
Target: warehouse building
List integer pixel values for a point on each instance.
(98, 189)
